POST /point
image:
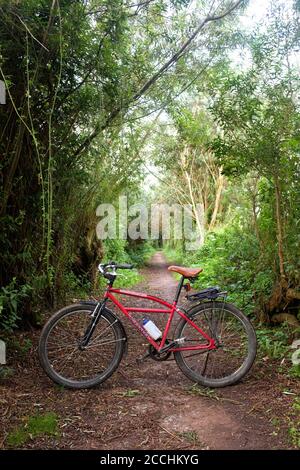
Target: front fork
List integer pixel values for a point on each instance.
(96, 315)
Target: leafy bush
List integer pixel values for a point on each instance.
(294, 434)
(273, 342)
(21, 346)
(121, 252)
(294, 371)
(115, 250)
(230, 258)
(140, 253)
(124, 252)
(174, 255)
(76, 286)
(11, 297)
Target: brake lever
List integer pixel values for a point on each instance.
(101, 268)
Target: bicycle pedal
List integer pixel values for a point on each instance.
(143, 358)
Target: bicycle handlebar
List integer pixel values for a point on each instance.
(113, 265)
(124, 266)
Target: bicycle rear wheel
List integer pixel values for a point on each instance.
(236, 341)
(71, 366)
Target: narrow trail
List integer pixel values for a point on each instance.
(159, 278)
(149, 405)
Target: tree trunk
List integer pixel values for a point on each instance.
(191, 194)
(253, 195)
(280, 234)
(220, 185)
(16, 153)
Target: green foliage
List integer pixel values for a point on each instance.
(21, 346)
(229, 258)
(174, 254)
(294, 433)
(190, 436)
(294, 424)
(127, 278)
(131, 393)
(11, 297)
(71, 70)
(34, 427)
(195, 390)
(70, 140)
(115, 250)
(254, 139)
(294, 371)
(140, 253)
(273, 342)
(77, 287)
(258, 149)
(6, 372)
(296, 404)
(120, 251)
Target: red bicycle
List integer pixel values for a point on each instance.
(214, 344)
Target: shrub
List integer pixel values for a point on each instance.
(230, 258)
(11, 297)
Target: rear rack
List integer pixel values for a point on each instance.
(210, 293)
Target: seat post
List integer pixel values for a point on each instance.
(179, 287)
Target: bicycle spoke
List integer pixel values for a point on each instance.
(102, 333)
(196, 353)
(205, 364)
(68, 361)
(103, 343)
(60, 348)
(232, 343)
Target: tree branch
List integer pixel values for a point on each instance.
(88, 73)
(175, 57)
(28, 30)
(171, 98)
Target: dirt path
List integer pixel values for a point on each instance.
(150, 405)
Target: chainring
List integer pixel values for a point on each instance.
(156, 356)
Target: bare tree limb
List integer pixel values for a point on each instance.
(28, 30)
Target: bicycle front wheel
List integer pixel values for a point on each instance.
(236, 345)
(71, 366)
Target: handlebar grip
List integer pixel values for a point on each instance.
(124, 266)
(110, 263)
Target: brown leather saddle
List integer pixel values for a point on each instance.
(186, 272)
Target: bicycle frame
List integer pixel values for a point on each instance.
(169, 310)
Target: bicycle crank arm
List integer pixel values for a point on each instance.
(174, 344)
